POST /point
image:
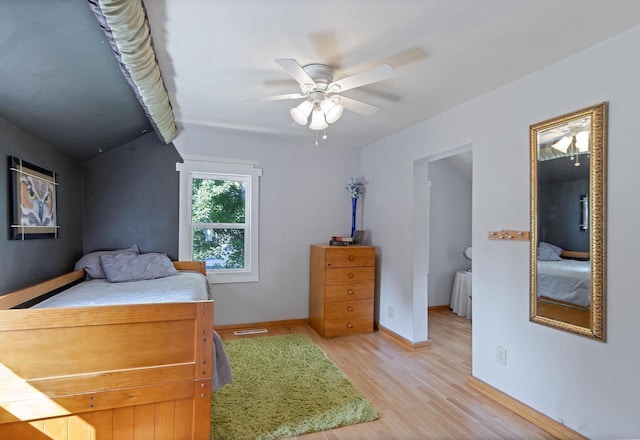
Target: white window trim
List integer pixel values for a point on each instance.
(189, 169)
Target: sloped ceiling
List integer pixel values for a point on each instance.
(60, 82)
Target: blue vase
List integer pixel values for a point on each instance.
(354, 204)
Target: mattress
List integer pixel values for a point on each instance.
(565, 280)
(186, 286)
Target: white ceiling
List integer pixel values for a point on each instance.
(218, 56)
(60, 82)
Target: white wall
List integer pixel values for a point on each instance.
(449, 228)
(590, 386)
(303, 200)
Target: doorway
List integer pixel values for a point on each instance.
(450, 185)
(456, 166)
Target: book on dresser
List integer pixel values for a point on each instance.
(341, 289)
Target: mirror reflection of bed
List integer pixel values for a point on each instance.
(564, 284)
(564, 279)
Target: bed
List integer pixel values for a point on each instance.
(113, 371)
(564, 288)
(565, 280)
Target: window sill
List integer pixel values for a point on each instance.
(229, 278)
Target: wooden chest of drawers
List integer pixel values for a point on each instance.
(341, 289)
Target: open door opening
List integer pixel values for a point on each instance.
(450, 254)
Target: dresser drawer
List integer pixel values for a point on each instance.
(350, 257)
(342, 289)
(346, 326)
(350, 275)
(348, 292)
(348, 309)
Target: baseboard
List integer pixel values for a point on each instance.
(268, 324)
(403, 341)
(542, 421)
(442, 307)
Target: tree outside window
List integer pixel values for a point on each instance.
(218, 212)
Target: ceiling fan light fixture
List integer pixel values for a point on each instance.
(300, 114)
(318, 122)
(332, 110)
(318, 87)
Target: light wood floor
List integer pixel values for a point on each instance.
(420, 394)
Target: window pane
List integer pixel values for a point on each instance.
(218, 201)
(219, 248)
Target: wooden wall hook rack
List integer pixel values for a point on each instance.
(509, 234)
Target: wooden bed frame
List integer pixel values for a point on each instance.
(105, 372)
(564, 311)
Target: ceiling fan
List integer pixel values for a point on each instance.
(322, 94)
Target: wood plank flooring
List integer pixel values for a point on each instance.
(420, 394)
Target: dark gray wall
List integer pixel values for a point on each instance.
(23, 263)
(561, 184)
(560, 214)
(131, 197)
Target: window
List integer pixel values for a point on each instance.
(219, 219)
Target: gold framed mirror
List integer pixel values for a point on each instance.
(568, 192)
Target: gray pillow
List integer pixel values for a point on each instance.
(547, 254)
(556, 249)
(91, 262)
(130, 267)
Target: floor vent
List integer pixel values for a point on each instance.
(250, 332)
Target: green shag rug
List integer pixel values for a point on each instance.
(283, 386)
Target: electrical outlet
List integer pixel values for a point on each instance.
(501, 355)
(390, 311)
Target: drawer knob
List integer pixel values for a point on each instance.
(350, 292)
(350, 275)
(351, 257)
(349, 309)
(349, 325)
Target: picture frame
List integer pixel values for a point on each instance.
(358, 236)
(33, 199)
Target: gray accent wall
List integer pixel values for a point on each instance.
(561, 185)
(131, 197)
(560, 214)
(23, 263)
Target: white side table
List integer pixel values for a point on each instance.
(461, 294)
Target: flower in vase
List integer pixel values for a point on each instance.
(354, 188)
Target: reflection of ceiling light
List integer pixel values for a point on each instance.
(563, 144)
(579, 142)
(582, 141)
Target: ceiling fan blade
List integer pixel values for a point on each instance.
(294, 69)
(286, 96)
(357, 106)
(382, 72)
